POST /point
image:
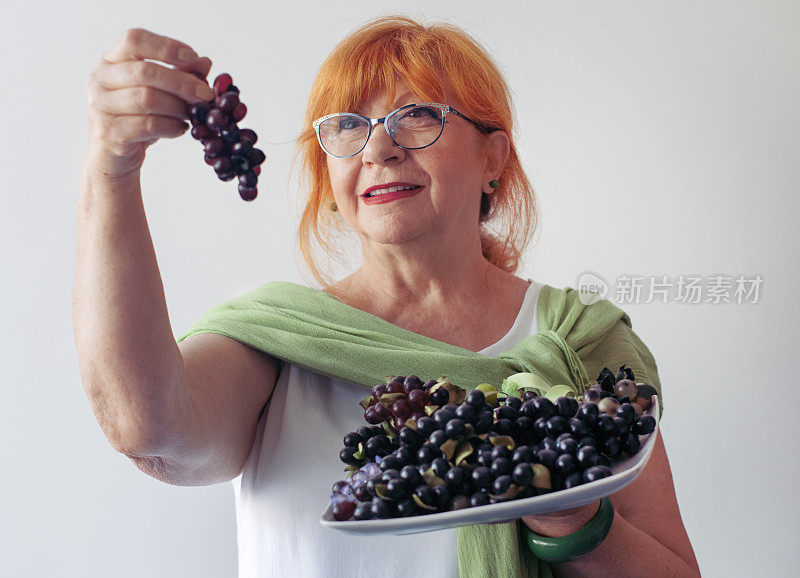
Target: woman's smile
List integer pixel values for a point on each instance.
(381, 196)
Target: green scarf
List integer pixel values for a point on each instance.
(312, 329)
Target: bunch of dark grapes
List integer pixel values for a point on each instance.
(433, 447)
(229, 149)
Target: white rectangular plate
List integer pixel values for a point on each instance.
(625, 471)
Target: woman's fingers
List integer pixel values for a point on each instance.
(138, 44)
(130, 129)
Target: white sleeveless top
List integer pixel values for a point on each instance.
(286, 484)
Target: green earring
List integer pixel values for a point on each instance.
(494, 183)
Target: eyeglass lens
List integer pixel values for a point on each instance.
(414, 127)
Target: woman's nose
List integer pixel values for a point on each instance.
(380, 147)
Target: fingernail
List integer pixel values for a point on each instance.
(187, 55)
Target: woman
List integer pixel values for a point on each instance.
(270, 416)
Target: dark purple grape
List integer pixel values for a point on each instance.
(557, 425)
(240, 165)
(437, 438)
(550, 443)
(343, 511)
(611, 447)
(442, 497)
(425, 493)
(411, 383)
(363, 511)
(587, 441)
(402, 409)
(390, 462)
(476, 399)
(198, 113)
(514, 402)
(529, 395)
(214, 147)
(406, 456)
(418, 398)
(466, 413)
(544, 407)
(522, 454)
(227, 101)
(504, 427)
(605, 425)
(397, 488)
(501, 485)
(482, 477)
(567, 446)
(522, 475)
(644, 425)
(501, 452)
(233, 88)
(409, 437)
(485, 459)
(406, 508)
(427, 454)
(202, 133)
(257, 157)
(231, 136)
(440, 467)
(455, 477)
(547, 458)
(506, 412)
(528, 409)
(631, 444)
(426, 426)
(579, 428)
(484, 423)
(626, 412)
(540, 428)
(454, 428)
(567, 407)
(395, 385)
(239, 112)
(223, 165)
(572, 480)
(346, 455)
(248, 135)
(439, 397)
(352, 440)
(221, 83)
(412, 476)
(621, 425)
(586, 457)
(523, 427)
(596, 473)
(565, 464)
(379, 509)
(226, 176)
(216, 119)
(369, 414)
(247, 194)
(588, 413)
(479, 499)
(501, 466)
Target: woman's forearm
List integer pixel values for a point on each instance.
(626, 550)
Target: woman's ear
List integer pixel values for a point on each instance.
(497, 150)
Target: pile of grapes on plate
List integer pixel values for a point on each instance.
(229, 149)
(432, 447)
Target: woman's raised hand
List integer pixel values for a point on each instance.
(132, 103)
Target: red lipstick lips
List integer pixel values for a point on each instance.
(388, 197)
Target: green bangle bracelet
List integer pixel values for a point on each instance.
(576, 544)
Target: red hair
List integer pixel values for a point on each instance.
(370, 58)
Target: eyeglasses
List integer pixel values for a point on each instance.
(413, 126)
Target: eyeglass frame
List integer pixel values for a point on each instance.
(375, 121)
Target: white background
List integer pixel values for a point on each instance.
(661, 138)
